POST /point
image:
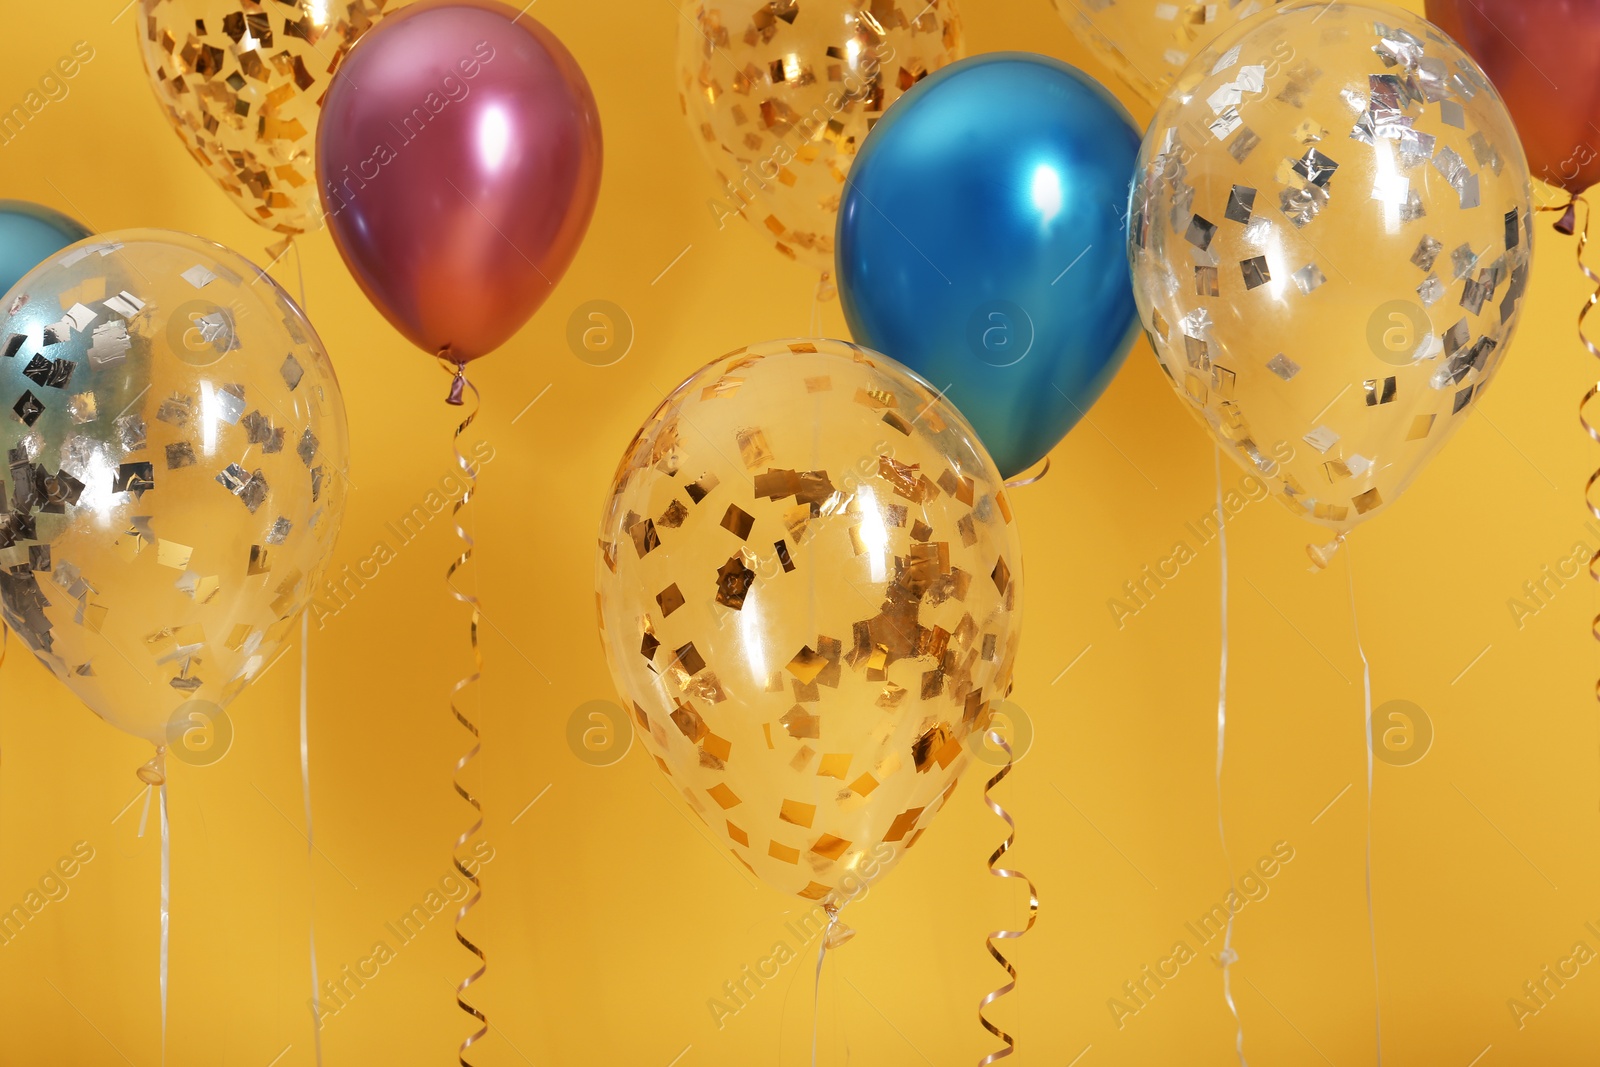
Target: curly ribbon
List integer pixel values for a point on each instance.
(154, 775)
(1568, 224)
(1229, 956)
(1020, 481)
(311, 834)
(459, 386)
(1366, 689)
(1033, 906)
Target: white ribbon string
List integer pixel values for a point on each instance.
(166, 909)
(816, 993)
(1366, 691)
(311, 835)
(1229, 956)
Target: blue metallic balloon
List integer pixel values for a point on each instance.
(982, 243)
(29, 235)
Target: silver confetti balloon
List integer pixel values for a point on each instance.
(174, 483)
(1330, 232)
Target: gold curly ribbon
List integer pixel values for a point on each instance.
(459, 386)
(1033, 907)
(1567, 224)
(1020, 480)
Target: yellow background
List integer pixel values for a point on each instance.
(610, 920)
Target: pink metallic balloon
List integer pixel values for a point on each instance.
(459, 158)
(1541, 56)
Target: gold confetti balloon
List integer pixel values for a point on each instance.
(780, 94)
(1147, 42)
(175, 449)
(1330, 235)
(242, 83)
(810, 592)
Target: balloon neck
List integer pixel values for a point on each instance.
(1568, 222)
(837, 933)
(155, 771)
(458, 383)
(1322, 555)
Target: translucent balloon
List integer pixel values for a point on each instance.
(781, 93)
(1147, 42)
(242, 84)
(175, 478)
(810, 592)
(1330, 244)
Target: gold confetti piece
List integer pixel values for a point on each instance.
(864, 785)
(718, 747)
(737, 521)
(798, 722)
(669, 600)
(725, 797)
(806, 665)
(834, 765)
(783, 853)
(902, 824)
(830, 847)
(797, 812)
(753, 448)
(1365, 502)
(736, 834)
(172, 554)
(689, 722)
(815, 891)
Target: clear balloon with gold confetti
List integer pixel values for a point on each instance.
(242, 83)
(780, 94)
(810, 592)
(1330, 250)
(175, 473)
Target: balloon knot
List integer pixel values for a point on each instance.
(458, 387)
(1568, 223)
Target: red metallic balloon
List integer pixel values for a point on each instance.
(1544, 58)
(459, 158)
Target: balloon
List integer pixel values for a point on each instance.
(980, 244)
(1147, 42)
(28, 234)
(242, 84)
(459, 158)
(1330, 259)
(1540, 55)
(810, 595)
(175, 478)
(780, 94)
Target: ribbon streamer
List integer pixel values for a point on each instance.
(834, 935)
(311, 834)
(1033, 907)
(1019, 480)
(154, 775)
(459, 386)
(1229, 956)
(1366, 689)
(1568, 224)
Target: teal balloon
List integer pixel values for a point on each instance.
(982, 239)
(31, 234)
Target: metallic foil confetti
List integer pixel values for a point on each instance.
(123, 433)
(805, 748)
(1387, 157)
(242, 85)
(780, 96)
